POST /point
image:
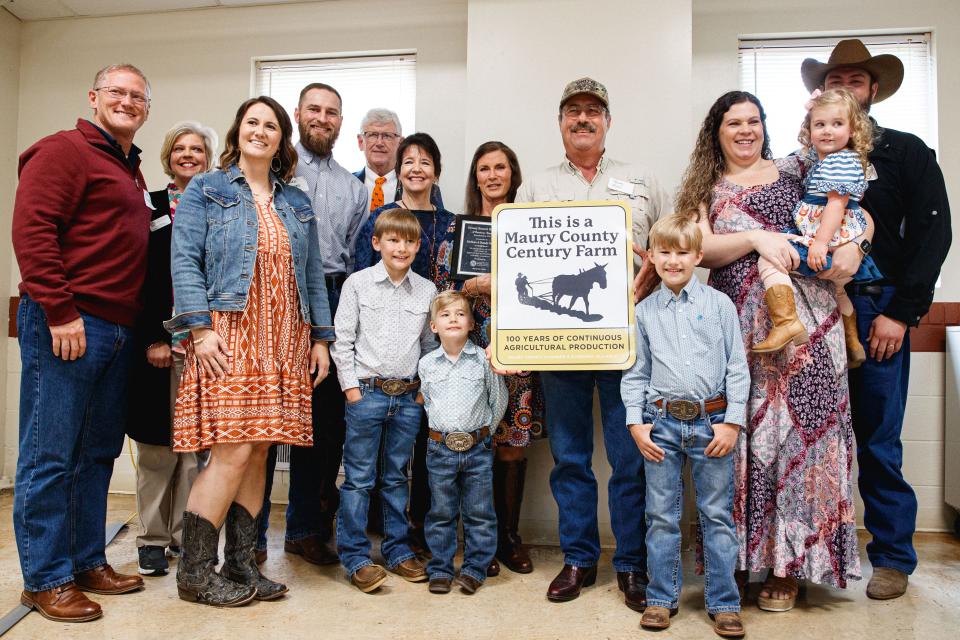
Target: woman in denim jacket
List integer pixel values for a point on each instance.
(248, 286)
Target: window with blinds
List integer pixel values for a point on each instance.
(770, 69)
(365, 82)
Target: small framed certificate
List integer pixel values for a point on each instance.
(471, 247)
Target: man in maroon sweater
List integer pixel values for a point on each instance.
(80, 227)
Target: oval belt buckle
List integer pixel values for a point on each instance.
(683, 409)
(393, 386)
(458, 441)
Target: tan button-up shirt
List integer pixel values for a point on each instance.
(565, 183)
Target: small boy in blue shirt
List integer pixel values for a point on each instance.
(686, 398)
(464, 401)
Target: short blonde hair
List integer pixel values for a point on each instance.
(446, 299)
(676, 231)
(208, 135)
(399, 221)
(861, 129)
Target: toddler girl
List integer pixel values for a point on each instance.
(837, 136)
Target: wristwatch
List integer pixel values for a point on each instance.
(865, 246)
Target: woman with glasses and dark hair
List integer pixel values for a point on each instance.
(493, 179)
(164, 477)
(249, 287)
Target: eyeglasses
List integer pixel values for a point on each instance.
(118, 93)
(592, 110)
(374, 136)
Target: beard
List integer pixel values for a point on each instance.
(320, 143)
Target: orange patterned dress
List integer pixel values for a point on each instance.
(265, 396)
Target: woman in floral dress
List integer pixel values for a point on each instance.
(794, 502)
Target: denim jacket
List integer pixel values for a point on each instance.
(215, 245)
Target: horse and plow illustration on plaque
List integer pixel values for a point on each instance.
(574, 286)
(561, 298)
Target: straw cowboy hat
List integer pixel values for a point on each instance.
(886, 69)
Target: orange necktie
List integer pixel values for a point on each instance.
(376, 198)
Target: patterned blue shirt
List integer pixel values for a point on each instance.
(689, 347)
(339, 203)
(464, 395)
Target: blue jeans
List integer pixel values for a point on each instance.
(72, 418)
(569, 401)
(878, 398)
(461, 486)
(713, 483)
(313, 494)
(397, 419)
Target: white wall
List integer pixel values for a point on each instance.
(9, 92)
(717, 25)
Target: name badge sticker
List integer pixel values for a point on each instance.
(146, 200)
(160, 223)
(621, 185)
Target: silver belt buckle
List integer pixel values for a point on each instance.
(458, 441)
(393, 386)
(683, 409)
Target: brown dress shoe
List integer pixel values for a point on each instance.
(62, 604)
(633, 584)
(494, 568)
(657, 617)
(312, 549)
(105, 580)
(568, 583)
(260, 556)
(728, 624)
(369, 578)
(886, 584)
(411, 570)
(468, 584)
(440, 585)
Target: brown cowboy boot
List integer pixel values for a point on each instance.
(508, 480)
(786, 325)
(856, 356)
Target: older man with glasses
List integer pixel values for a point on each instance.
(588, 173)
(80, 226)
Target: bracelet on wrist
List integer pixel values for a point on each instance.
(196, 342)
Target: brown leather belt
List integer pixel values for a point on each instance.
(459, 441)
(690, 409)
(392, 386)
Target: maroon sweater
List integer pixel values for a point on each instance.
(80, 227)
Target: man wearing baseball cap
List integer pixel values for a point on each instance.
(587, 173)
(908, 201)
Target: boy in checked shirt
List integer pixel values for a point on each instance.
(686, 398)
(382, 332)
(464, 400)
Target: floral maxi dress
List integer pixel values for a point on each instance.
(266, 394)
(794, 504)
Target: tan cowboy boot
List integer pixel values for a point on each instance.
(856, 356)
(786, 325)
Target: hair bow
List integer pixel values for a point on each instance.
(813, 96)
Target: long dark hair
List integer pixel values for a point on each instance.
(707, 164)
(473, 203)
(286, 153)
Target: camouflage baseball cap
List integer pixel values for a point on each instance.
(585, 85)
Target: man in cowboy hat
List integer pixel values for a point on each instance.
(908, 201)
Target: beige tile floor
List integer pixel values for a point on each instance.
(322, 604)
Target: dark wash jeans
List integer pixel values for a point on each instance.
(569, 400)
(878, 399)
(461, 488)
(390, 424)
(72, 418)
(313, 495)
